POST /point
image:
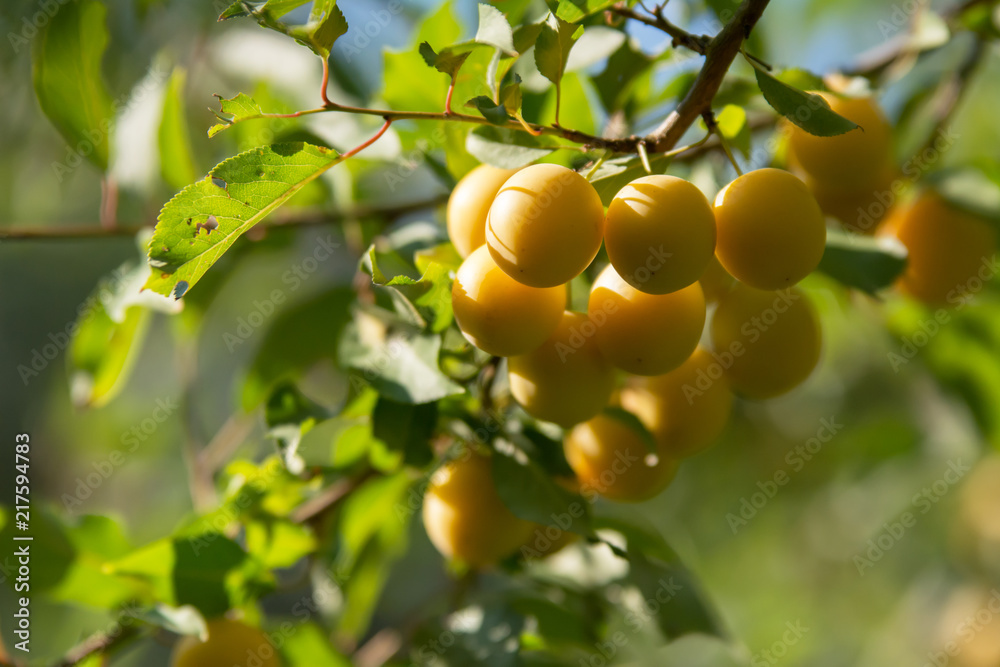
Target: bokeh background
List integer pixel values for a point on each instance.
(870, 437)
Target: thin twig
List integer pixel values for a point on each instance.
(329, 498)
(719, 56)
(29, 232)
(679, 36)
(101, 642)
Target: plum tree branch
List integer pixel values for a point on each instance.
(721, 52)
(96, 231)
(679, 36)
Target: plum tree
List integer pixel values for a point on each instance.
(767, 342)
(464, 516)
(660, 233)
(469, 203)
(499, 315)
(687, 408)
(230, 643)
(610, 457)
(851, 161)
(545, 225)
(566, 380)
(771, 231)
(947, 248)
(645, 334)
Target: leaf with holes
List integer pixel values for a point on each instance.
(326, 23)
(239, 108)
(204, 219)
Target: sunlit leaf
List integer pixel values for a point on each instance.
(177, 164)
(66, 72)
(204, 219)
(806, 110)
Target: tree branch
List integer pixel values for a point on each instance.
(95, 231)
(721, 52)
(679, 36)
(101, 642)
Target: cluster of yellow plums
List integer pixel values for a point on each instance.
(526, 234)
(855, 179)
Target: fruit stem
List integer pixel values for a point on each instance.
(644, 157)
(597, 164)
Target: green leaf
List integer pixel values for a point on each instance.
(552, 47)
(326, 22)
(202, 571)
(575, 11)
(430, 296)
(66, 72)
(177, 163)
(96, 540)
(406, 428)
(658, 573)
(272, 9)
(204, 219)
(102, 354)
(494, 29)
(308, 645)
(732, 124)
(279, 543)
(510, 96)
(802, 79)
(633, 422)
(448, 61)
(532, 494)
(242, 107)
(493, 112)
(297, 339)
(49, 540)
(403, 368)
(505, 148)
(615, 174)
(373, 534)
(617, 82)
(344, 440)
(865, 263)
(808, 111)
(109, 333)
